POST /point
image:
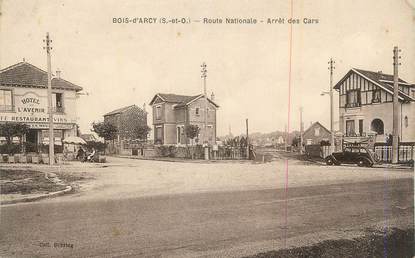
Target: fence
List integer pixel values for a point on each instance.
(198, 152)
(405, 153)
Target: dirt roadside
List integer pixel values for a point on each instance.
(393, 242)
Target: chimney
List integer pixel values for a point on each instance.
(58, 74)
(212, 96)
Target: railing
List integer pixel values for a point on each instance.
(353, 105)
(405, 153)
(6, 108)
(58, 109)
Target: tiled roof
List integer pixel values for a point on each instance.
(180, 100)
(119, 110)
(173, 98)
(25, 74)
(379, 79)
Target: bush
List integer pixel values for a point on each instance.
(98, 146)
(10, 148)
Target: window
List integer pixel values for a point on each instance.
(353, 98)
(317, 131)
(159, 135)
(197, 111)
(6, 103)
(158, 112)
(361, 127)
(406, 121)
(350, 131)
(57, 102)
(376, 96)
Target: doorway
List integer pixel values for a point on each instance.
(32, 141)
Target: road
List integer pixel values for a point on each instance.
(208, 223)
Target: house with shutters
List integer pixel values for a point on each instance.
(366, 105)
(172, 113)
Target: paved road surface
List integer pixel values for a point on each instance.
(207, 224)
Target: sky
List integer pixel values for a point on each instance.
(257, 71)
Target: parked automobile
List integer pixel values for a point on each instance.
(361, 156)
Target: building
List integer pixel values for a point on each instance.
(366, 106)
(172, 113)
(125, 119)
(315, 134)
(24, 99)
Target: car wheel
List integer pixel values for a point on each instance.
(329, 161)
(361, 163)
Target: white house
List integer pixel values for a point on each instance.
(366, 105)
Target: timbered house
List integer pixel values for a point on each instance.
(366, 105)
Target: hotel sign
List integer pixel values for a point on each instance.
(32, 109)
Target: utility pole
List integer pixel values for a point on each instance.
(204, 75)
(301, 130)
(395, 132)
(331, 68)
(48, 48)
(286, 138)
(247, 139)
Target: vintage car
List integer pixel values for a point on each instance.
(361, 156)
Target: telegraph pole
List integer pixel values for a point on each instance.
(204, 75)
(301, 130)
(331, 68)
(48, 48)
(247, 139)
(395, 132)
(286, 137)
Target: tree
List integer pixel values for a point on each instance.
(296, 141)
(10, 130)
(105, 130)
(192, 131)
(141, 131)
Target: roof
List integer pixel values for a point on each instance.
(314, 124)
(25, 74)
(119, 110)
(180, 100)
(88, 137)
(384, 81)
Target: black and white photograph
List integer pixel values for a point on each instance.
(207, 128)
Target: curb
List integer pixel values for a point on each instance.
(36, 198)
